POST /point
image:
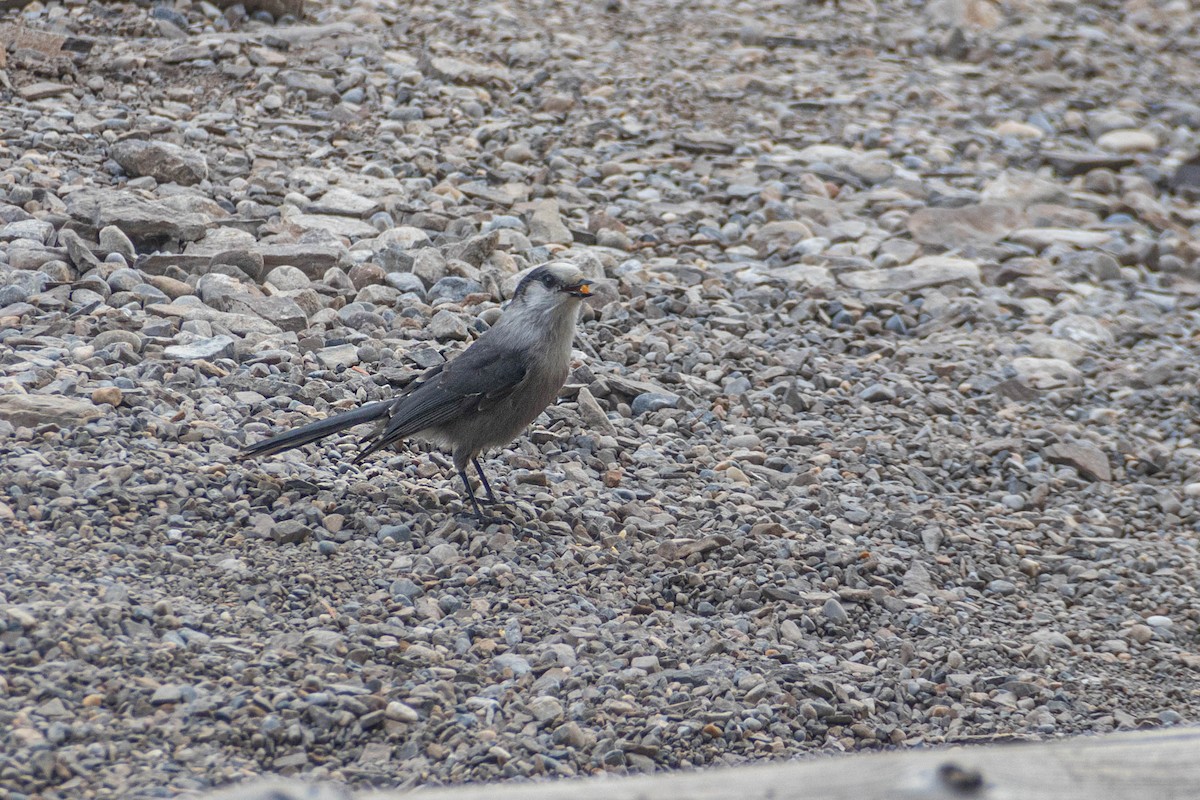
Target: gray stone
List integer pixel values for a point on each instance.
(281, 311)
(287, 278)
(347, 227)
(924, 272)
(220, 346)
(290, 531)
(168, 693)
(401, 712)
(1084, 330)
(1087, 459)
(31, 410)
(178, 218)
(311, 259)
(1040, 238)
(1046, 373)
(33, 229)
(429, 265)
(447, 325)
(314, 85)
(81, 255)
(546, 225)
(114, 240)
(343, 202)
(648, 402)
(1128, 141)
(405, 282)
(453, 289)
(964, 226)
(342, 355)
(835, 612)
(546, 709)
(474, 250)
(593, 416)
(163, 161)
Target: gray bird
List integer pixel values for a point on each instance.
(487, 395)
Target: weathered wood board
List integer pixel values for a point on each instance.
(1143, 765)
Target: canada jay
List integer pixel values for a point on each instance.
(487, 395)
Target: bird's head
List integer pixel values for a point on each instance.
(553, 285)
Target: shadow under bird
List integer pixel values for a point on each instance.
(485, 396)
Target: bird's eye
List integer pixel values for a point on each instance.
(548, 280)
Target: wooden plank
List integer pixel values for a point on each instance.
(1144, 765)
(1162, 764)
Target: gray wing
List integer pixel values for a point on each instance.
(475, 381)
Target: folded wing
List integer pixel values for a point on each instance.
(471, 383)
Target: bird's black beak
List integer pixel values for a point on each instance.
(581, 289)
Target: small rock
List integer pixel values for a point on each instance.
(342, 355)
(545, 709)
(163, 161)
(1046, 373)
(107, 394)
(80, 254)
(1129, 140)
(653, 401)
(1084, 330)
(220, 346)
(42, 90)
(594, 418)
(31, 410)
(971, 224)
(924, 272)
(290, 531)
(1041, 238)
(546, 226)
(453, 288)
(835, 612)
(446, 325)
(400, 712)
(1018, 130)
(1089, 460)
(169, 693)
(1141, 633)
(878, 393)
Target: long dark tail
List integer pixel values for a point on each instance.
(316, 430)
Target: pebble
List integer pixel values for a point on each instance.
(400, 712)
(447, 325)
(107, 394)
(652, 401)
(1128, 141)
(207, 348)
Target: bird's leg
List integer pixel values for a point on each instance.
(486, 486)
(462, 473)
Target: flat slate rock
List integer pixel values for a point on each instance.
(175, 218)
(966, 225)
(1089, 460)
(1079, 163)
(31, 410)
(240, 324)
(924, 272)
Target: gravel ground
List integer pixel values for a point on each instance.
(882, 430)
